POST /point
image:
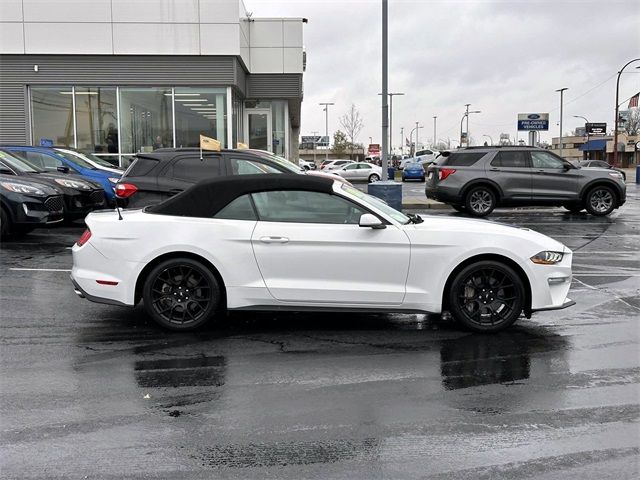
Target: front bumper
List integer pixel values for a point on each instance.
(80, 203)
(568, 303)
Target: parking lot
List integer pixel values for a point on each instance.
(98, 391)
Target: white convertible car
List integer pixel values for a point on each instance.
(289, 242)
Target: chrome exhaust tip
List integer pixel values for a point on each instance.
(78, 292)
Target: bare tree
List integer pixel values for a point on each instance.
(632, 125)
(352, 124)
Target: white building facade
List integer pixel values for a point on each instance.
(118, 77)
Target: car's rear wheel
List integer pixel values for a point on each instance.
(458, 208)
(574, 208)
(486, 296)
(374, 178)
(600, 201)
(181, 294)
(422, 179)
(480, 201)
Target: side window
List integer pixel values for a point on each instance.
(194, 169)
(364, 166)
(239, 209)
(355, 166)
(242, 166)
(545, 160)
(512, 159)
(305, 207)
(462, 159)
(46, 162)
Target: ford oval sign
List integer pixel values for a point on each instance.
(533, 116)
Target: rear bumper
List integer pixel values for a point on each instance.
(82, 294)
(442, 195)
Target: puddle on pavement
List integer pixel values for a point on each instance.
(181, 372)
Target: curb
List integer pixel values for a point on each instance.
(426, 206)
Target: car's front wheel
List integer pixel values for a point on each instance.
(374, 178)
(486, 296)
(600, 201)
(480, 201)
(181, 294)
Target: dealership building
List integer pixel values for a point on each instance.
(118, 77)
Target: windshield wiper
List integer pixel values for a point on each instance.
(415, 218)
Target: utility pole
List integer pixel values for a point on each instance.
(391, 95)
(561, 90)
(401, 141)
(417, 127)
(467, 127)
(326, 109)
(385, 90)
(615, 119)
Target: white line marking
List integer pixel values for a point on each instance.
(40, 269)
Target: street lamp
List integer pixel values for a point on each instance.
(561, 90)
(466, 115)
(391, 95)
(615, 120)
(315, 144)
(415, 129)
(490, 139)
(326, 109)
(586, 132)
(435, 117)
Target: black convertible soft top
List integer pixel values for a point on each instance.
(208, 197)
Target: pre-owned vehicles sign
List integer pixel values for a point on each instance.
(533, 121)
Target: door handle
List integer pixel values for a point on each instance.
(274, 239)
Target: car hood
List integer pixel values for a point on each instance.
(50, 177)
(463, 230)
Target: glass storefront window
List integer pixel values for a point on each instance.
(52, 115)
(146, 121)
(279, 124)
(200, 111)
(96, 120)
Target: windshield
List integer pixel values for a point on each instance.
(75, 158)
(100, 161)
(18, 164)
(376, 203)
(283, 162)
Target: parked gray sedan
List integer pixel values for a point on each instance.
(479, 179)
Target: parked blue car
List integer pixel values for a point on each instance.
(413, 171)
(54, 160)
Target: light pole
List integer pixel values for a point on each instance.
(391, 95)
(467, 126)
(435, 117)
(490, 139)
(315, 145)
(326, 128)
(561, 90)
(615, 119)
(401, 141)
(466, 115)
(415, 145)
(586, 132)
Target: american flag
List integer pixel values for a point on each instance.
(633, 101)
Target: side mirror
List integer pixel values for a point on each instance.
(63, 169)
(568, 166)
(371, 221)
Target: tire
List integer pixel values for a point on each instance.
(574, 208)
(422, 179)
(459, 208)
(486, 296)
(600, 201)
(480, 201)
(374, 177)
(5, 223)
(177, 282)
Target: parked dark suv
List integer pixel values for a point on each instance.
(478, 179)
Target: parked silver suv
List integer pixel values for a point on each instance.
(478, 179)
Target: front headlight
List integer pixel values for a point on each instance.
(114, 180)
(547, 258)
(615, 174)
(22, 188)
(73, 184)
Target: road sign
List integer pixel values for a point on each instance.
(374, 150)
(533, 121)
(596, 128)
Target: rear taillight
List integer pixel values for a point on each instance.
(84, 238)
(125, 190)
(443, 173)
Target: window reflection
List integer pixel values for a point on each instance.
(147, 119)
(96, 119)
(200, 111)
(52, 115)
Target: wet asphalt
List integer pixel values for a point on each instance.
(96, 391)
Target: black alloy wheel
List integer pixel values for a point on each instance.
(480, 201)
(600, 201)
(181, 294)
(486, 296)
(458, 208)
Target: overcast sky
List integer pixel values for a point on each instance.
(502, 57)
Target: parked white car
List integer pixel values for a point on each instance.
(359, 171)
(333, 164)
(424, 157)
(306, 164)
(298, 242)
